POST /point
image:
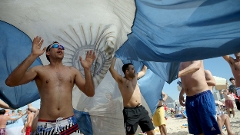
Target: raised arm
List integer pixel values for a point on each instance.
(142, 72)
(87, 85)
(4, 105)
(21, 74)
(193, 67)
(115, 75)
(13, 119)
(209, 78)
(228, 58)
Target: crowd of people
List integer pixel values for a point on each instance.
(55, 82)
(9, 117)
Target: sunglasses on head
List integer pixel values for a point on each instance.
(56, 45)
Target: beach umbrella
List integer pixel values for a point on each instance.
(221, 83)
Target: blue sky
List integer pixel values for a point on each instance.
(218, 66)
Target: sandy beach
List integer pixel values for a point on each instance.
(175, 126)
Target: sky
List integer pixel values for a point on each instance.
(218, 67)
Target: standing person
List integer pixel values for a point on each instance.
(159, 116)
(134, 113)
(55, 83)
(3, 121)
(222, 119)
(200, 103)
(232, 87)
(229, 102)
(235, 67)
(28, 125)
(176, 108)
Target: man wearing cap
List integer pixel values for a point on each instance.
(235, 66)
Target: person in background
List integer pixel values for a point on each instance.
(159, 116)
(222, 119)
(4, 119)
(229, 103)
(134, 113)
(235, 67)
(28, 125)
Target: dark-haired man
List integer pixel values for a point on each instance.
(55, 82)
(134, 113)
(3, 121)
(235, 67)
(28, 125)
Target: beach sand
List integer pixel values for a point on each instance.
(175, 125)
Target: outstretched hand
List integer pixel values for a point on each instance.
(90, 57)
(36, 46)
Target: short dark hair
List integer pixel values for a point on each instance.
(48, 49)
(231, 79)
(125, 67)
(2, 111)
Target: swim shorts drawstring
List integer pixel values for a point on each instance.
(57, 129)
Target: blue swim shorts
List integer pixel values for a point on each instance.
(201, 113)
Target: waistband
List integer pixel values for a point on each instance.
(199, 94)
(237, 88)
(56, 125)
(62, 118)
(139, 105)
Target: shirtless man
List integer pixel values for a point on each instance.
(159, 116)
(28, 125)
(3, 121)
(132, 99)
(222, 119)
(200, 103)
(55, 83)
(235, 66)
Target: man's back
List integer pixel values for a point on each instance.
(194, 83)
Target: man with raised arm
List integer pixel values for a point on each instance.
(134, 113)
(4, 119)
(200, 103)
(235, 67)
(55, 83)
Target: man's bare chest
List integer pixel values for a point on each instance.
(57, 77)
(236, 66)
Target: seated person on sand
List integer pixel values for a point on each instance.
(223, 120)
